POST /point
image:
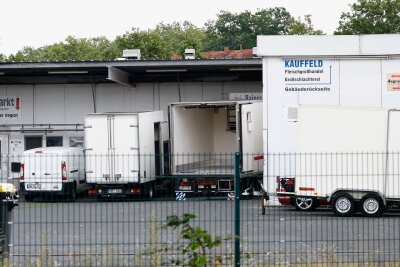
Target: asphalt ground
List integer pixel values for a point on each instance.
(115, 232)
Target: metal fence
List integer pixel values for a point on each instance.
(206, 211)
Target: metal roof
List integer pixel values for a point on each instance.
(134, 71)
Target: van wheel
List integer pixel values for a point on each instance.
(305, 203)
(343, 205)
(371, 205)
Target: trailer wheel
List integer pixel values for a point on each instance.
(305, 203)
(151, 190)
(371, 205)
(343, 205)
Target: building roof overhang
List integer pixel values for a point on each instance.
(131, 72)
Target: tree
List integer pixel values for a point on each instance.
(99, 48)
(182, 36)
(371, 16)
(236, 30)
(300, 27)
(27, 54)
(3, 58)
(151, 44)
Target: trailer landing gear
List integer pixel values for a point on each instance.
(264, 199)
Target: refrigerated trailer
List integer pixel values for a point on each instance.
(349, 156)
(122, 152)
(359, 71)
(204, 138)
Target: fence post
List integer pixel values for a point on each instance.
(237, 209)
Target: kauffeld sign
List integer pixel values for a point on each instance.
(10, 108)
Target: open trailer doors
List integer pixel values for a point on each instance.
(251, 137)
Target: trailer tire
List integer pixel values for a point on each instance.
(151, 191)
(343, 205)
(371, 205)
(305, 203)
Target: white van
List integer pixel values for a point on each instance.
(52, 170)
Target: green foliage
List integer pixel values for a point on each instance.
(235, 30)
(99, 48)
(200, 241)
(3, 58)
(300, 27)
(182, 36)
(228, 30)
(371, 17)
(150, 43)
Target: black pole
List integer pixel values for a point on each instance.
(237, 209)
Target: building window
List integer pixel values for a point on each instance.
(76, 141)
(54, 141)
(33, 142)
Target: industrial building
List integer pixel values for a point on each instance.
(44, 103)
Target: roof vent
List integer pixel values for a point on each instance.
(190, 53)
(131, 54)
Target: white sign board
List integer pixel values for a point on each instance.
(307, 75)
(10, 108)
(245, 96)
(16, 147)
(393, 82)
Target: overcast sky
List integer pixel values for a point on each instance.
(42, 22)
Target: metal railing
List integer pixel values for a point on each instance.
(145, 224)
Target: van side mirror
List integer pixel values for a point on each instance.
(15, 166)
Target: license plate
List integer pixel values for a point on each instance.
(34, 186)
(115, 191)
(185, 188)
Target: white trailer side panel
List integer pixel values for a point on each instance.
(341, 148)
(341, 130)
(393, 164)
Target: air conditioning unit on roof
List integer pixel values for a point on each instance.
(190, 53)
(131, 54)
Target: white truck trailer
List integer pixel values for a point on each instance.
(123, 152)
(359, 71)
(47, 171)
(204, 138)
(350, 156)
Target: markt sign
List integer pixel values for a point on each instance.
(10, 108)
